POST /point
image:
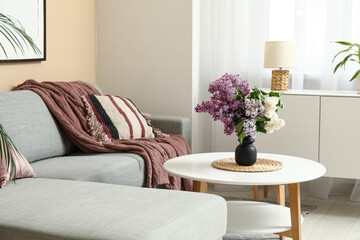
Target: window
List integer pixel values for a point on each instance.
(313, 25)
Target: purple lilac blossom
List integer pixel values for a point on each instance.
(250, 128)
(253, 108)
(223, 106)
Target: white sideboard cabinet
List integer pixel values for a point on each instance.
(300, 136)
(322, 126)
(340, 136)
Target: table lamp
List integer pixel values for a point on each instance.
(280, 54)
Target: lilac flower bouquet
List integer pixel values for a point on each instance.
(242, 110)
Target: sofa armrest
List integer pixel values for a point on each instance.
(174, 125)
(97, 88)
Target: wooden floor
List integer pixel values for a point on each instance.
(334, 219)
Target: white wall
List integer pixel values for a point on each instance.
(144, 52)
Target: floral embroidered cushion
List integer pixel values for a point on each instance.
(113, 117)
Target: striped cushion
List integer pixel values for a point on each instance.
(112, 117)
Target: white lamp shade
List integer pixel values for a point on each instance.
(280, 54)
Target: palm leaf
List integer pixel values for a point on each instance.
(7, 150)
(2, 47)
(9, 36)
(339, 53)
(343, 42)
(346, 50)
(354, 60)
(16, 35)
(344, 61)
(355, 75)
(337, 66)
(354, 56)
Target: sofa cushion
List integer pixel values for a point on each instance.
(115, 168)
(62, 209)
(22, 167)
(112, 117)
(30, 125)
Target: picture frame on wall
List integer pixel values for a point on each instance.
(22, 30)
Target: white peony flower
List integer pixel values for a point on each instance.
(270, 103)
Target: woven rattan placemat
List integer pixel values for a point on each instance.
(261, 165)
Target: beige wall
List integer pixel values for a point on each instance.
(71, 47)
(144, 53)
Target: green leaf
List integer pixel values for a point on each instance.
(355, 75)
(275, 94)
(8, 150)
(344, 61)
(260, 126)
(1, 152)
(354, 60)
(264, 93)
(262, 130)
(354, 53)
(10, 39)
(15, 34)
(239, 126)
(2, 47)
(280, 104)
(257, 94)
(337, 67)
(261, 119)
(343, 43)
(346, 50)
(241, 137)
(239, 130)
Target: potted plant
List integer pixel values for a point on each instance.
(14, 33)
(243, 111)
(352, 52)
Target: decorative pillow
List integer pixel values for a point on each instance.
(157, 131)
(23, 168)
(112, 117)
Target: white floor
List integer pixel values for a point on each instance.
(334, 219)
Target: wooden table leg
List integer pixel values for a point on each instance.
(280, 194)
(256, 193)
(266, 191)
(281, 199)
(200, 187)
(295, 209)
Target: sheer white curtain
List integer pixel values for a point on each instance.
(316, 24)
(232, 35)
(230, 38)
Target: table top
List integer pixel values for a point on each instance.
(198, 167)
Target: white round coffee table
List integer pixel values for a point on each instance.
(249, 217)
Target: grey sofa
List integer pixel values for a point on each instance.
(93, 196)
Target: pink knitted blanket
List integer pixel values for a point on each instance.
(65, 102)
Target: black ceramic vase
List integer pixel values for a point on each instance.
(245, 153)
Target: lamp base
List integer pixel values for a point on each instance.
(280, 80)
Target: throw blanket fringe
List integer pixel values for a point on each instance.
(65, 102)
